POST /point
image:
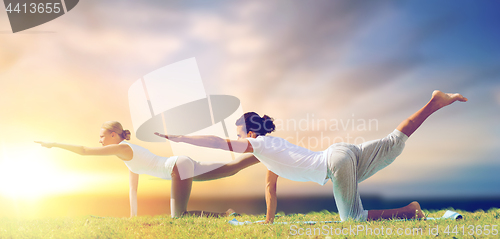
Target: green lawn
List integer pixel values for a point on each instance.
(478, 224)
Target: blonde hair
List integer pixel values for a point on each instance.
(115, 126)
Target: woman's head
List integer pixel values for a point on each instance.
(252, 125)
(112, 133)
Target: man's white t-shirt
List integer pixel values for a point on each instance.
(290, 161)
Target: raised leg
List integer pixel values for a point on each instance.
(410, 211)
(408, 127)
(438, 101)
(228, 169)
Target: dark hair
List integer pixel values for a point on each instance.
(253, 122)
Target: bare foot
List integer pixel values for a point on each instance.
(415, 210)
(440, 99)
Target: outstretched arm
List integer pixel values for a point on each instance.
(134, 182)
(271, 199)
(120, 150)
(209, 141)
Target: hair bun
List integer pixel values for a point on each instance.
(126, 134)
(259, 125)
(268, 124)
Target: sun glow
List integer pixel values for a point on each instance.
(30, 175)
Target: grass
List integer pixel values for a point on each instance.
(472, 226)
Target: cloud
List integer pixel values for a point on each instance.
(496, 94)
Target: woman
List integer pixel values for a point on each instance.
(345, 164)
(179, 169)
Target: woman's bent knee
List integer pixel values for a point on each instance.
(184, 168)
(343, 165)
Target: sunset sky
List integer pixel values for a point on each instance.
(346, 63)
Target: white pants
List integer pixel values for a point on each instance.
(350, 164)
